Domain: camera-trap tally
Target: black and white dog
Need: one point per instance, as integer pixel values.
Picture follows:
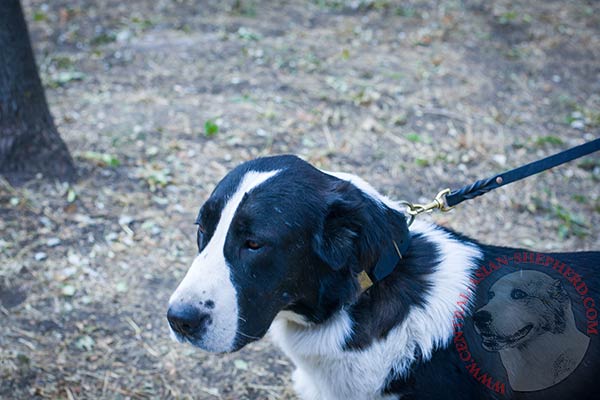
(366, 307)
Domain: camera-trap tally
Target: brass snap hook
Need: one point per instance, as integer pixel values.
(439, 202)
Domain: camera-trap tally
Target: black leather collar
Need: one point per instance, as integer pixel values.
(388, 261)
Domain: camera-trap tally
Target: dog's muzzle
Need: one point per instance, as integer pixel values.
(188, 321)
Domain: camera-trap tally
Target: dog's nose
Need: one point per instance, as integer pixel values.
(188, 320)
(482, 318)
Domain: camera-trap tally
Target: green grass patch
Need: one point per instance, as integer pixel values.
(103, 38)
(508, 17)
(422, 162)
(210, 128)
(571, 223)
(101, 159)
(414, 137)
(589, 164)
(548, 140)
(39, 16)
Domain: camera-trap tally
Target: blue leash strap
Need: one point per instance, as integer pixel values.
(485, 185)
(446, 199)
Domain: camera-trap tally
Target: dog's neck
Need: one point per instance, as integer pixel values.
(425, 290)
(389, 259)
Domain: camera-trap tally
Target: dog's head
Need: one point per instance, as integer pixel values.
(521, 306)
(277, 234)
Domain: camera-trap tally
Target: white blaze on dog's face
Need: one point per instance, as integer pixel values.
(204, 307)
(267, 227)
(276, 235)
(521, 305)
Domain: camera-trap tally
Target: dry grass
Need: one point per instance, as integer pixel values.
(413, 96)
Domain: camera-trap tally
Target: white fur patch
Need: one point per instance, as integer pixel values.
(209, 276)
(312, 339)
(327, 371)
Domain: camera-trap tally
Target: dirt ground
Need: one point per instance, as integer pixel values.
(157, 100)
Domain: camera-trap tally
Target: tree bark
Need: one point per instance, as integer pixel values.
(29, 141)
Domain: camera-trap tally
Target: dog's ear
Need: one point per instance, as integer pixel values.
(335, 240)
(558, 292)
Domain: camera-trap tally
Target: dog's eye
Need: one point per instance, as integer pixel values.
(253, 245)
(518, 294)
(491, 294)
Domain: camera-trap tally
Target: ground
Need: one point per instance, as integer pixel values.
(157, 100)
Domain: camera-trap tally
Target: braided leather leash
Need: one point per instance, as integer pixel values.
(447, 199)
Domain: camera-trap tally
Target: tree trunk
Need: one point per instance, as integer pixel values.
(29, 140)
